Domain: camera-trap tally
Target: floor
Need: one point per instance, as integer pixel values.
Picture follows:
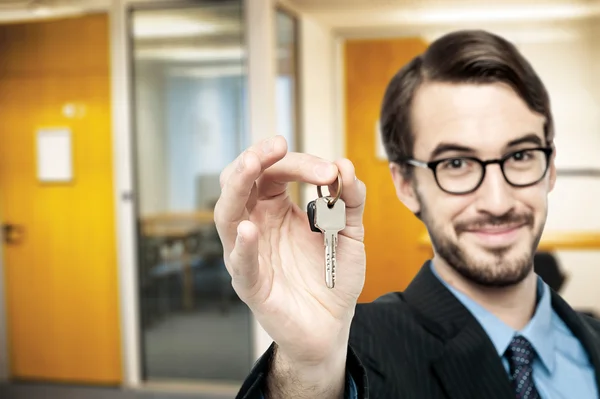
(206, 344)
(209, 343)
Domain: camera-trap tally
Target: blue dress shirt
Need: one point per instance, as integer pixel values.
(562, 369)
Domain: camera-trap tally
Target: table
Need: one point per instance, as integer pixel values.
(174, 228)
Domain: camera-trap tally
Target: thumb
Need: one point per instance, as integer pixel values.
(354, 194)
(248, 280)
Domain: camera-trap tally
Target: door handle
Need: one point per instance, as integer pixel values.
(12, 233)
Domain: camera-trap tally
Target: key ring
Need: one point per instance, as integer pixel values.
(332, 201)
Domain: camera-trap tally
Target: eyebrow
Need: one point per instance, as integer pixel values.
(530, 138)
(442, 148)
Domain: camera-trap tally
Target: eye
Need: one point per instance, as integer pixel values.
(455, 163)
(524, 155)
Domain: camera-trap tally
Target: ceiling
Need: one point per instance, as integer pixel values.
(31, 10)
(339, 5)
(219, 25)
(366, 17)
(206, 34)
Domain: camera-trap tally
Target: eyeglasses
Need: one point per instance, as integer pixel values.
(464, 175)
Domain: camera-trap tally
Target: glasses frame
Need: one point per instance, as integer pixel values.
(500, 161)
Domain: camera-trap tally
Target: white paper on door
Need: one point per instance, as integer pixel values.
(54, 155)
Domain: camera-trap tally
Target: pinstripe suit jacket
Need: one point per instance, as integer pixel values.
(424, 344)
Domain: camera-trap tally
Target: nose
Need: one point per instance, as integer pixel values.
(495, 194)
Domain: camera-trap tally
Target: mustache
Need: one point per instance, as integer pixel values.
(510, 218)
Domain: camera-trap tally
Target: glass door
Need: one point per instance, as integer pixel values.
(287, 84)
(190, 121)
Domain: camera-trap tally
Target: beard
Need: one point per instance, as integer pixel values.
(497, 270)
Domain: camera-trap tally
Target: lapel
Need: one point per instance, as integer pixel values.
(589, 338)
(468, 367)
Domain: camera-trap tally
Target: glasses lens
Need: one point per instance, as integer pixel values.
(458, 175)
(525, 167)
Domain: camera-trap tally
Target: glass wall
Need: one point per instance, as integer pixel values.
(190, 122)
(286, 96)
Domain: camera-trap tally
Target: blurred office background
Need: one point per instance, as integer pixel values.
(117, 118)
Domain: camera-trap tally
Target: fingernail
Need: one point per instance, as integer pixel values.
(240, 164)
(267, 146)
(324, 170)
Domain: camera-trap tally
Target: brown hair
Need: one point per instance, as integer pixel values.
(466, 56)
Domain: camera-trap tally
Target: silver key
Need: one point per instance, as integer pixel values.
(330, 220)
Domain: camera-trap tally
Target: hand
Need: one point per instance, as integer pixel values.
(277, 263)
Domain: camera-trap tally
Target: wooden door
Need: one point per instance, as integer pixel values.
(60, 261)
(392, 233)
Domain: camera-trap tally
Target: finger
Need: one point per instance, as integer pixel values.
(238, 179)
(248, 280)
(268, 152)
(354, 194)
(295, 167)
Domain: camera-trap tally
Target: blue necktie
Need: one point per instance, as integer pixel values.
(520, 355)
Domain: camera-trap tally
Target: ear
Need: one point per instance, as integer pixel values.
(552, 170)
(405, 189)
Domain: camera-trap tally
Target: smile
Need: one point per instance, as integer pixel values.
(497, 236)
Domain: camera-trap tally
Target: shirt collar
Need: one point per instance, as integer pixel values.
(538, 331)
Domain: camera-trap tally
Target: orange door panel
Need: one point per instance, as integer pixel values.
(60, 261)
(392, 233)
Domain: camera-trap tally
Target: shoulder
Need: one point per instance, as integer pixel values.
(386, 315)
(388, 335)
(379, 311)
(591, 322)
(567, 316)
(375, 325)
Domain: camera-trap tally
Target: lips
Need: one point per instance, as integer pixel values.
(497, 236)
(502, 229)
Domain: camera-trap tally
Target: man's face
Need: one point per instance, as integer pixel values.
(489, 236)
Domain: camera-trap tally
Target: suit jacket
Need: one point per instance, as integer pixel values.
(424, 344)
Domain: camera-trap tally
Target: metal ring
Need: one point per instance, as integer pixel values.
(332, 201)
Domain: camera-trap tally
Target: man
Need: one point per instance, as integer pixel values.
(468, 130)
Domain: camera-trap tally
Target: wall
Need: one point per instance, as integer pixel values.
(4, 345)
(595, 32)
(319, 129)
